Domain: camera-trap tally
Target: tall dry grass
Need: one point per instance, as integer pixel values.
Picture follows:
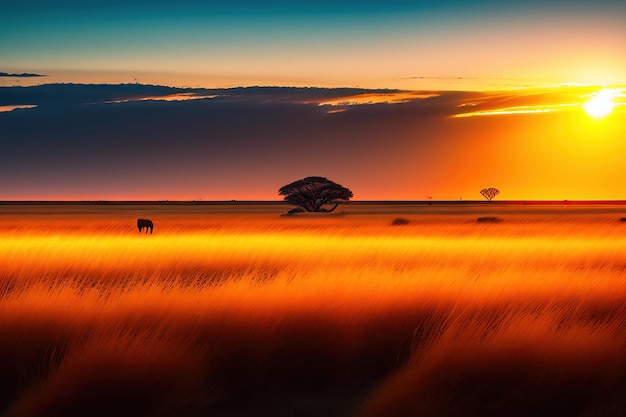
(256, 314)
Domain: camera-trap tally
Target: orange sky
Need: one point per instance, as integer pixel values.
(245, 144)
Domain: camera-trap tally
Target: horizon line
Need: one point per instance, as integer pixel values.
(319, 87)
(234, 201)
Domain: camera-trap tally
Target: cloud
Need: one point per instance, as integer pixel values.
(57, 95)
(378, 98)
(22, 75)
(78, 144)
(168, 97)
(16, 107)
(522, 101)
(157, 143)
(565, 98)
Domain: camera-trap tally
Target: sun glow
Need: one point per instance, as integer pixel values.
(601, 103)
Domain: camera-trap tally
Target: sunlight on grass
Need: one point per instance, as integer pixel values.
(234, 312)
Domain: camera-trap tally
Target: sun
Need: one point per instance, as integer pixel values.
(601, 103)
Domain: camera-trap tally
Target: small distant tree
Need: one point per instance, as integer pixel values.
(490, 193)
(313, 193)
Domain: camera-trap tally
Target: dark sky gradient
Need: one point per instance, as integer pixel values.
(246, 143)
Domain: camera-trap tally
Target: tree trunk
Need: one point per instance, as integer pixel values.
(330, 210)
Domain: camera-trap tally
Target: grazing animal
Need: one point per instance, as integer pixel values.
(145, 223)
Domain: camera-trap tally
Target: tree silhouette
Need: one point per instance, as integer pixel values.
(490, 193)
(311, 193)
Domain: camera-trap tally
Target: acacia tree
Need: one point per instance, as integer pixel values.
(489, 193)
(312, 193)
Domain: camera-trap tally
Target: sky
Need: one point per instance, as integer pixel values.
(144, 100)
(370, 44)
(137, 142)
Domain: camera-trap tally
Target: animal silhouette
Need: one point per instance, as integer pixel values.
(145, 223)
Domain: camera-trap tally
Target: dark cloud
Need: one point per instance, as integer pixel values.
(22, 75)
(106, 142)
(76, 142)
(78, 94)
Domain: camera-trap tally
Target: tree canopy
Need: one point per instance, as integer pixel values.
(313, 193)
(489, 193)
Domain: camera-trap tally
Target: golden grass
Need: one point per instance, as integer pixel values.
(223, 312)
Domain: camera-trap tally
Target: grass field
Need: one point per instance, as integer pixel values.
(234, 310)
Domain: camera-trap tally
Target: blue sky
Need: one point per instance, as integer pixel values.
(327, 43)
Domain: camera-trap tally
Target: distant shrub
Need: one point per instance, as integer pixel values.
(400, 221)
(488, 220)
